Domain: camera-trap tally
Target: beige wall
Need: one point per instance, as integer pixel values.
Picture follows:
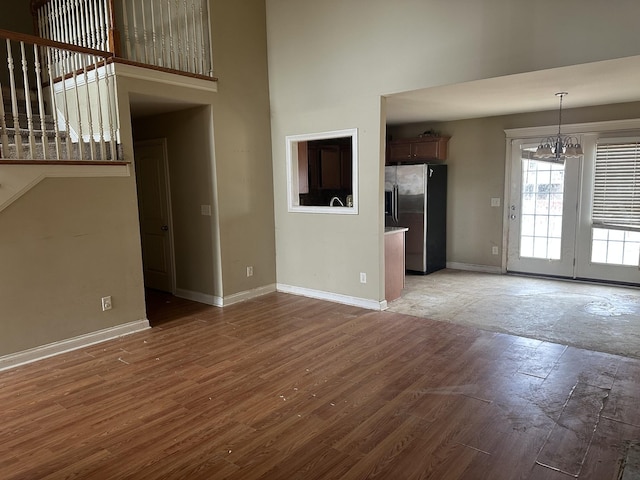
(241, 118)
(476, 170)
(331, 61)
(63, 245)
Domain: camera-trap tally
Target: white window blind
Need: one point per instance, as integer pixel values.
(616, 192)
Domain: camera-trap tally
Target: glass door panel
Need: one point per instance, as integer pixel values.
(542, 215)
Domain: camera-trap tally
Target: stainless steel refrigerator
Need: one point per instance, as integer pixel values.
(416, 198)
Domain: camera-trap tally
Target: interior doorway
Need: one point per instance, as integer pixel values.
(154, 207)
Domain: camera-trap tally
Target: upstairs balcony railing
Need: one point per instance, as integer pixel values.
(57, 101)
(171, 34)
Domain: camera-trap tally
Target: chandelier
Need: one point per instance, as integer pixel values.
(556, 149)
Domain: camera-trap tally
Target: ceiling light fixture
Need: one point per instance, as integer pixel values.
(556, 149)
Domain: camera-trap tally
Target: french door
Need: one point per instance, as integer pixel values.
(551, 228)
(543, 212)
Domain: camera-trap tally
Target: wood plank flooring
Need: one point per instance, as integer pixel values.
(286, 387)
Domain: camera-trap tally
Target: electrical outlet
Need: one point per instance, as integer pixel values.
(249, 271)
(494, 250)
(363, 277)
(106, 303)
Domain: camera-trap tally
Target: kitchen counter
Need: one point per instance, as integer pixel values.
(393, 262)
(388, 230)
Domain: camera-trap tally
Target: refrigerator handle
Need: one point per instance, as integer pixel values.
(395, 203)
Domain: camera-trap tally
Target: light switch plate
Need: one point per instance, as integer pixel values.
(205, 210)
(495, 201)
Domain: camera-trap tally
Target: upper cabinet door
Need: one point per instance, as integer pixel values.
(417, 150)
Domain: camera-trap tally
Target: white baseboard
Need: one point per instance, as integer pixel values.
(333, 297)
(249, 294)
(474, 268)
(45, 351)
(225, 301)
(200, 297)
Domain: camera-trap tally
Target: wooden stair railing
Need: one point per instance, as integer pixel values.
(172, 34)
(56, 101)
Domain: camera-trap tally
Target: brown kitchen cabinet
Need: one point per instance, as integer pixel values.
(417, 150)
(329, 167)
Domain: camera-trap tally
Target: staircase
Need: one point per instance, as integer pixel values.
(38, 143)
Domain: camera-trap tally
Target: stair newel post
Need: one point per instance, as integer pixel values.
(54, 105)
(96, 69)
(115, 45)
(14, 101)
(41, 110)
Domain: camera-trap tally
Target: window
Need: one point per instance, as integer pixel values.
(616, 203)
(322, 172)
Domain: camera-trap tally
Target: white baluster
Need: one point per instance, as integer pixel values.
(136, 38)
(103, 151)
(172, 60)
(14, 101)
(79, 115)
(154, 39)
(92, 142)
(205, 55)
(4, 138)
(54, 105)
(179, 31)
(164, 44)
(91, 24)
(103, 24)
(27, 102)
(125, 22)
(187, 43)
(82, 23)
(110, 101)
(145, 40)
(67, 125)
(41, 111)
(77, 30)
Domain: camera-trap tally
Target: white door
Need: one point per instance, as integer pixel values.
(552, 229)
(152, 180)
(542, 214)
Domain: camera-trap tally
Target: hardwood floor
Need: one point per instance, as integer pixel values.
(286, 387)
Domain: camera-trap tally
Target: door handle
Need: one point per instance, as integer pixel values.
(164, 228)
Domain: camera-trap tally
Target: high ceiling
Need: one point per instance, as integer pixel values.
(599, 83)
